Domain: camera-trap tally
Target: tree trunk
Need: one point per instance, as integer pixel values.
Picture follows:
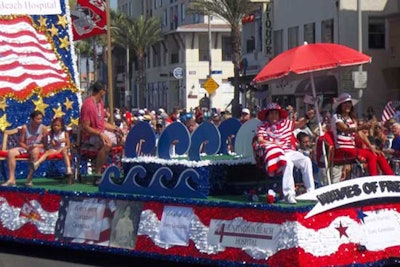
(141, 80)
(87, 73)
(94, 59)
(236, 57)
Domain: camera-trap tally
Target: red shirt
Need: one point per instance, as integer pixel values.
(94, 113)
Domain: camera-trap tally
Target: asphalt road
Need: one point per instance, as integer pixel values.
(14, 254)
(25, 255)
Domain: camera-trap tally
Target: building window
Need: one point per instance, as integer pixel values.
(278, 42)
(173, 13)
(309, 33)
(327, 31)
(376, 33)
(130, 9)
(174, 58)
(250, 45)
(196, 18)
(293, 37)
(165, 57)
(203, 47)
(156, 55)
(165, 18)
(183, 12)
(227, 49)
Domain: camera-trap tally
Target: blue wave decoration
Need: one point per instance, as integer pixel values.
(205, 139)
(173, 180)
(141, 140)
(175, 134)
(157, 181)
(228, 130)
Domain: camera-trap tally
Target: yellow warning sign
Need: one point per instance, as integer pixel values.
(210, 85)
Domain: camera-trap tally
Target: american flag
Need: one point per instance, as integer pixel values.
(28, 60)
(14, 216)
(388, 111)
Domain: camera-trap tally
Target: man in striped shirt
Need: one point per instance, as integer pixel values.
(276, 145)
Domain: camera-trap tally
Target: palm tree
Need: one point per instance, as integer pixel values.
(232, 11)
(137, 35)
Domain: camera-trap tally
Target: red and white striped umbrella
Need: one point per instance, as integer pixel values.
(309, 58)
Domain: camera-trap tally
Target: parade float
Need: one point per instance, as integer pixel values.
(184, 210)
(186, 199)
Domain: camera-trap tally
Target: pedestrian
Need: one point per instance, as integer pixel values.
(245, 116)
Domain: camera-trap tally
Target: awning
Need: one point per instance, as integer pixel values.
(326, 85)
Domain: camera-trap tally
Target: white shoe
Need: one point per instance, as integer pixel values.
(290, 199)
(34, 165)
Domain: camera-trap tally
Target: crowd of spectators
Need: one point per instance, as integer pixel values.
(376, 144)
(125, 119)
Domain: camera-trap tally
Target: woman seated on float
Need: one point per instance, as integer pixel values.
(31, 143)
(345, 129)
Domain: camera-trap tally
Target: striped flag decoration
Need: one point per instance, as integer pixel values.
(28, 60)
(388, 111)
(89, 18)
(99, 234)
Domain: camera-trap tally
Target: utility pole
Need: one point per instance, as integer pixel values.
(127, 77)
(209, 56)
(360, 48)
(109, 64)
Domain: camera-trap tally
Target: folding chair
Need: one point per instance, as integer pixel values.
(357, 165)
(85, 159)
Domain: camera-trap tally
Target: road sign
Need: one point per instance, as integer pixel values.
(178, 73)
(210, 85)
(360, 79)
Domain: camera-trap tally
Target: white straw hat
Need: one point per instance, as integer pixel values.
(343, 97)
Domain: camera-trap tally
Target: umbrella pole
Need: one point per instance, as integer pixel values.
(321, 132)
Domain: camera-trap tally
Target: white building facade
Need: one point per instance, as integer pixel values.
(284, 24)
(276, 26)
(178, 66)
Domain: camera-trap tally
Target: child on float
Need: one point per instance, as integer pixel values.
(57, 142)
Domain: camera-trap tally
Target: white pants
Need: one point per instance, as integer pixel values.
(303, 163)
